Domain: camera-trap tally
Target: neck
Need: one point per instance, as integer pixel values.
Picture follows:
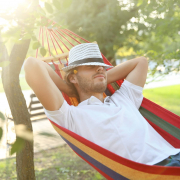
(84, 96)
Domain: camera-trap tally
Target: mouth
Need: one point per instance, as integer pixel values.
(99, 76)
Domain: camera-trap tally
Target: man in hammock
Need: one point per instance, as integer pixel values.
(114, 122)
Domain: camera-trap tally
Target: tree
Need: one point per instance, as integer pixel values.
(115, 25)
(99, 21)
(22, 32)
(159, 41)
(148, 28)
(28, 17)
(10, 79)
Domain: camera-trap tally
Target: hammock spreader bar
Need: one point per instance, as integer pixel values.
(110, 165)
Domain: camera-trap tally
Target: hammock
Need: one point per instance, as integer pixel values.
(59, 41)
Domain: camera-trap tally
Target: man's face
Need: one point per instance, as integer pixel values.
(92, 78)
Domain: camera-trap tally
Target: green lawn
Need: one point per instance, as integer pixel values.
(60, 163)
(167, 97)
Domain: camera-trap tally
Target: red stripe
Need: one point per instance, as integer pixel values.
(42, 38)
(48, 42)
(119, 82)
(161, 112)
(59, 40)
(69, 35)
(65, 38)
(39, 40)
(50, 34)
(134, 165)
(76, 35)
(110, 88)
(168, 137)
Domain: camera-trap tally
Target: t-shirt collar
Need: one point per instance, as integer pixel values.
(93, 101)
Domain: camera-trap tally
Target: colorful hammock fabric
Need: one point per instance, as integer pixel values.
(111, 166)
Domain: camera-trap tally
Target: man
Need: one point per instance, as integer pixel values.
(113, 123)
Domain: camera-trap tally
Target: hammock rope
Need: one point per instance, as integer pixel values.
(110, 165)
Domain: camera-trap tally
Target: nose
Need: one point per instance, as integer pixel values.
(100, 68)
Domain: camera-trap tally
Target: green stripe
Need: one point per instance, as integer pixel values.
(115, 86)
(173, 130)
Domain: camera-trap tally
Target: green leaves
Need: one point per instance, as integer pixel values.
(22, 135)
(48, 8)
(36, 45)
(43, 51)
(2, 116)
(67, 3)
(1, 132)
(17, 146)
(57, 4)
(140, 2)
(4, 63)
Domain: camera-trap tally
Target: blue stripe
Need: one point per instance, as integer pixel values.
(100, 166)
(107, 92)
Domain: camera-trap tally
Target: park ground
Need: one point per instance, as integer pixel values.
(62, 163)
(59, 163)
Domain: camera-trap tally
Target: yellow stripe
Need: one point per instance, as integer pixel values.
(117, 167)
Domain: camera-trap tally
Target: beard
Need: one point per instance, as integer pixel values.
(87, 85)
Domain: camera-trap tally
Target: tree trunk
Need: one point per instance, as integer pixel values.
(17, 103)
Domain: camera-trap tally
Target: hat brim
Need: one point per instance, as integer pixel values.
(67, 68)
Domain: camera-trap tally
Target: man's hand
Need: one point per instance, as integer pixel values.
(134, 70)
(70, 90)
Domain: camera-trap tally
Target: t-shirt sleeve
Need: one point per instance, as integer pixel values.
(132, 92)
(61, 116)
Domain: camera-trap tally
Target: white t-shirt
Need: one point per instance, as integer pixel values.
(116, 125)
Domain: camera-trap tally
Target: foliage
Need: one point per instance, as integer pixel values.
(22, 134)
(2, 117)
(17, 146)
(26, 19)
(143, 28)
(99, 21)
(159, 41)
(150, 27)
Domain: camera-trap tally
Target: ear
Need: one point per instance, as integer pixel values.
(72, 78)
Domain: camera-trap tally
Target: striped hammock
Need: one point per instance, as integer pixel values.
(59, 41)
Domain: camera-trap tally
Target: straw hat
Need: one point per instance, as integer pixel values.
(85, 54)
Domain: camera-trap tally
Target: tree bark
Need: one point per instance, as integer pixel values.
(17, 103)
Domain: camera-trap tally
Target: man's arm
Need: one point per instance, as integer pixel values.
(45, 83)
(134, 71)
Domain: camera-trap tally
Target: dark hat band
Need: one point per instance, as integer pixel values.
(87, 60)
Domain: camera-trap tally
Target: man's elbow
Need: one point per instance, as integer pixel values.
(143, 60)
(29, 63)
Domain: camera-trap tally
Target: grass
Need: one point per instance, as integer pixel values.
(167, 97)
(55, 164)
